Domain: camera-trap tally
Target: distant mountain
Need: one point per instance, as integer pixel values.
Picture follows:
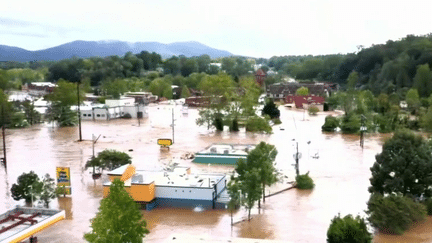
(85, 49)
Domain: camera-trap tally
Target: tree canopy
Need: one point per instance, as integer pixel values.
(119, 218)
(404, 166)
(109, 159)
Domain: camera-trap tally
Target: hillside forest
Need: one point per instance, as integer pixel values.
(387, 72)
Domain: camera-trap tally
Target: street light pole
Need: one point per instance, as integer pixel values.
(79, 112)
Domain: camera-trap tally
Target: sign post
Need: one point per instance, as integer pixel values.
(63, 179)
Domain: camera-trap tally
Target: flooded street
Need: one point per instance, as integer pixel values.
(341, 174)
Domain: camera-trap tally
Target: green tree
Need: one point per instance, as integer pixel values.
(423, 80)
(63, 97)
(352, 81)
(66, 94)
(48, 190)
(109, 159)
(304, 182)
(404, 166)
(119, 218)
(251, 189)
(262, 159)
(413, 100)
(28, 187)
(330, 124)
(350, 124)
(115, 88)
(185, 92)
(234, 194)
(271, 110)
(348, 229)
(206, 118)
(32, 116)
(394, 214)
(258, 124)
(302, 91)
(426, 120)
(313, 110)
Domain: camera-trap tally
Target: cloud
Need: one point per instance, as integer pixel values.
(22, 24)
(24, 34)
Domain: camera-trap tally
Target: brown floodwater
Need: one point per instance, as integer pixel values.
(341, 174)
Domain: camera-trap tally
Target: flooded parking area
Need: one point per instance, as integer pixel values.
(338, 165)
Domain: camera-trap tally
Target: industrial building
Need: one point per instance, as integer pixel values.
(173, 188)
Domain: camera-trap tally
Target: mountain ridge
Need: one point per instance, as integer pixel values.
(86, 49)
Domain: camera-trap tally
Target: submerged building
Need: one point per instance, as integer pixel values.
(223, 154)
(174, 188)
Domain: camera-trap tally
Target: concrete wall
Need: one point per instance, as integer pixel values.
(220, 186)
(184, 193)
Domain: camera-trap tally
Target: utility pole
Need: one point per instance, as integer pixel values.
(362, 129)
(297, 160)
(4, 138)
(4, 148)
(93, 144)
(172, 124)
(79, 111)
(138, 115)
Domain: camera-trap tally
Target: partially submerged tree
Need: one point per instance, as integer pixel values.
(271, 110)
(394, 214)
(262, 159)
(48, 190)
(119, 218)
(63, 97)
(109, 159)
(404, 166)
(251, 189)
(348, 229)
(234, 192)
(28, 187)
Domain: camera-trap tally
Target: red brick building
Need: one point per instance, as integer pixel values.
(260, 76)
(305, 101)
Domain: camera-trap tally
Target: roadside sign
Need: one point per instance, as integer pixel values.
(63, 176)
(164, 142)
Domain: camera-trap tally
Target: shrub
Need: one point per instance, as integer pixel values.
(234, 127)
(428, 203)
(313, 110)
(348, 229)
(304, 182)
(277, 121)
(127, 116)
(271, 109)
(258, 124)
(350, 124)
(218, 123)
(330, 124)
(394, 213)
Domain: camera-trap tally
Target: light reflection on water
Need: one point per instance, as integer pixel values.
(341, 174)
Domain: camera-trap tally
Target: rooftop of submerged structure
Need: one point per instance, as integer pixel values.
(177, 177)
(21, 222)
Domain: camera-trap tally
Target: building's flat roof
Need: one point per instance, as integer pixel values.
(188, 180)
(176, 178)
(228, 149)
(43, 217)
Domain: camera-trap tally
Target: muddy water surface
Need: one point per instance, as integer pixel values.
(340, 169)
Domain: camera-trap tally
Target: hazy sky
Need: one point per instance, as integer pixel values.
(251, 28)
